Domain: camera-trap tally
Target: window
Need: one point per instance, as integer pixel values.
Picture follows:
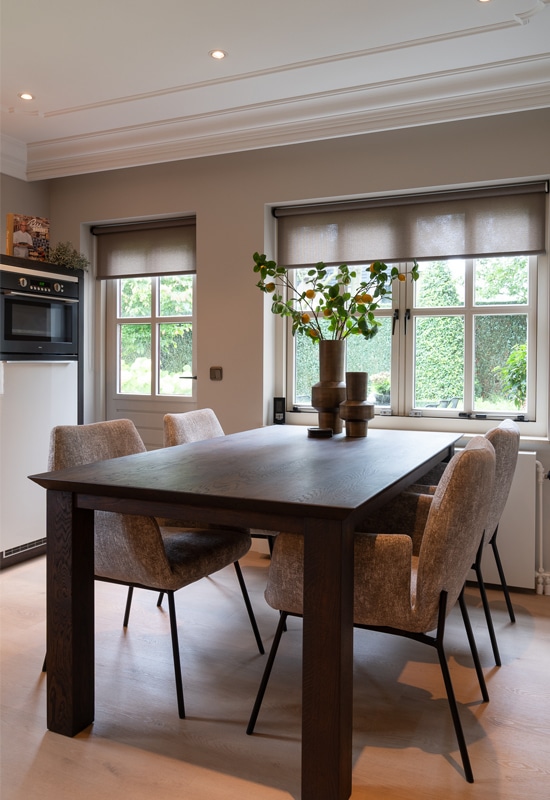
(155, 335)
(150, 267)
(474, 337)
(462, 340)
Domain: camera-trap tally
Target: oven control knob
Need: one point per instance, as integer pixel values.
(57, 287)
(23, 282)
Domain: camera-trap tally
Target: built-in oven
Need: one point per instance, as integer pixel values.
(38, 314)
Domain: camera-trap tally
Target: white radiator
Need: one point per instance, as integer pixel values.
(516, 537)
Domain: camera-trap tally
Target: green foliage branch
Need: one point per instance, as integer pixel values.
(329, 309)
(65, 255)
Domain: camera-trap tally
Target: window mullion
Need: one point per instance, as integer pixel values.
(402, 348)
(469, 337)
(532, 324)
(155, 337)
(469, 350)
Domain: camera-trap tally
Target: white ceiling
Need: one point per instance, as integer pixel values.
(119, 83)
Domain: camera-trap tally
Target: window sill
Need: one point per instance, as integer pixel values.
(530, 431)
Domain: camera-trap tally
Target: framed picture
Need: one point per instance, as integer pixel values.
(28, 237)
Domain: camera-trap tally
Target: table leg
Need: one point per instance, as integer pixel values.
(70, 615)
(327, 661)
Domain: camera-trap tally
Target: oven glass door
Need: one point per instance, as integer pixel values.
(39, 325)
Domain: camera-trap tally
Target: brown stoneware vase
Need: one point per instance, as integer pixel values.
(330, 391)
(355, 410)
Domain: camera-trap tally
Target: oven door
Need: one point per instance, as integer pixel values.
(37, 327)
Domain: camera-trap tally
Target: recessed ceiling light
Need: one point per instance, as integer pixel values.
(484, 1)
(219, 54)
(26, 96)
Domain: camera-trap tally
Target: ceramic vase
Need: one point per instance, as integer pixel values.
(330, 391)
(355, 410)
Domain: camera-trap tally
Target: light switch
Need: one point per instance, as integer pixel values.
(216, 373)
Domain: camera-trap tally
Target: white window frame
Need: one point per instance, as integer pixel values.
(402, 415)
(469, 312)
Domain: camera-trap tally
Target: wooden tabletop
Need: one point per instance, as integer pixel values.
(277, 469)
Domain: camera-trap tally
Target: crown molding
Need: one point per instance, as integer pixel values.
(138, 129)
(505, 87)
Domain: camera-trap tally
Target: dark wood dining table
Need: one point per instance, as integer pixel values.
(275, 478)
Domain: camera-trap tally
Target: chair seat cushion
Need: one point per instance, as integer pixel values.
(195, 553)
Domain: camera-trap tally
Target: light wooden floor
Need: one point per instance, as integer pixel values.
(404, 746)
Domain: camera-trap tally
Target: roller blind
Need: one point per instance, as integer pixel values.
(505, 220)
(163, 247)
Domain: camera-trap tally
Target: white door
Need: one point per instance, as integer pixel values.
(150, 358)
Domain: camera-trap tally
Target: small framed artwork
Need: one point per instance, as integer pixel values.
(28, 237)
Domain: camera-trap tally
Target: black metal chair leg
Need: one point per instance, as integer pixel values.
(450, 693)
(473, 647)
(44, 663)
(267, 672)
(159, 601)
(502, 577)
(128, 606)
(487, 610)
(248, 605)
(176, 654)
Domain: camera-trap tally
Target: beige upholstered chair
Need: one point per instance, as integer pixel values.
(505, 439)
(399, 592)
(192, 426)
(135, 550)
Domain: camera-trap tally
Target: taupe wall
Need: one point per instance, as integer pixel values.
(229, 194)
(19, 197)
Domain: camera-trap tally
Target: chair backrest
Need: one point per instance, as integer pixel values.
(505, 439)
(191, 426)
(454, 528)
(127, 548)
(74, 445)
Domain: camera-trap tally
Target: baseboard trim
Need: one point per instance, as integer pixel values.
(15, 555)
